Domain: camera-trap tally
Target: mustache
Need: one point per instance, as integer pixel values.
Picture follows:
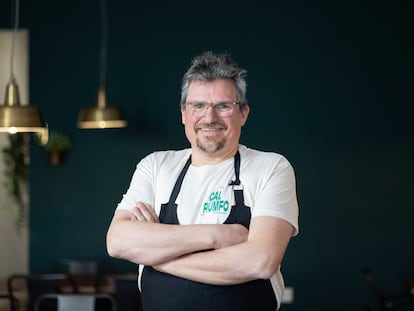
(210, 126)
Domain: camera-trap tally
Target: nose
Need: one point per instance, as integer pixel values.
(210, 113)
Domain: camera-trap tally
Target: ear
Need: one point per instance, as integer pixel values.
(244, 114)
(183, 115)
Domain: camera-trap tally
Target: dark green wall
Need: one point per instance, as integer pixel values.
(330, 87)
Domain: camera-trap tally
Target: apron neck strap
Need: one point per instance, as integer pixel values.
(236, 170)
(179, 181)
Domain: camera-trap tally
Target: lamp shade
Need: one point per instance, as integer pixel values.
(101, 116)
(15, 117)
(21, 118)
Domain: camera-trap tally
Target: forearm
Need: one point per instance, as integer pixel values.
(257, 258)
(225, 266)
(152, 243)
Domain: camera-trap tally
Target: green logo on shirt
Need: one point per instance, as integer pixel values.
(215, 204)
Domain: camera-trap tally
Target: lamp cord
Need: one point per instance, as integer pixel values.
(104, 40)
(13, 43)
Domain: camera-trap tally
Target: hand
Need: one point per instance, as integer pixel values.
(145, 212)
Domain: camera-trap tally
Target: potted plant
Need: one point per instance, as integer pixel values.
(16, 161)
(57, 146)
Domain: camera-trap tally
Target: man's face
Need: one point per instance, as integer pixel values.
(213, 134)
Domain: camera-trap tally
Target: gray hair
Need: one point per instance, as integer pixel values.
(211, 67)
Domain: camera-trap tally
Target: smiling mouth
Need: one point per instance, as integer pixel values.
(213, 127)
(210, 129)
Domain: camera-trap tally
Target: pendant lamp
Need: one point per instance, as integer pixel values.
(15, 117)
(101, 116)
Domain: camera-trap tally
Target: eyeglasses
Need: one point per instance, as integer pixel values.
(199, 109)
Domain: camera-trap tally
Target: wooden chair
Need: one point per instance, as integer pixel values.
(13, 302)
(37, 285)
(386, 301)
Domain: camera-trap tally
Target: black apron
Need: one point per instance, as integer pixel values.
(165, 292)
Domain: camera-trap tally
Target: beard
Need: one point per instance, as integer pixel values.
(210, 144)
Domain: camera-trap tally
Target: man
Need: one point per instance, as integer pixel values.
(209, 225)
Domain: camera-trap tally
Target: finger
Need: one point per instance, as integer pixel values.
(153, 213)
(145, 212)
(149, 213)
(136, 211)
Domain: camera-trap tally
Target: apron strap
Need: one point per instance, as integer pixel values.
(177, 186)
(236, 170)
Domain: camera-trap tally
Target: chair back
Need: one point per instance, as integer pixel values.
(86, 273)
(77, 266)
(72, 302)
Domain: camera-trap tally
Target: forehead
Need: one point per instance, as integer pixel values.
(212, 90)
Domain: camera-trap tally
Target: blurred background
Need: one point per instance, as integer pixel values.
(330, 86)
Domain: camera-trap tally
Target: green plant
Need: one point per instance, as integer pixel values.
(58, 142)
(16, 160)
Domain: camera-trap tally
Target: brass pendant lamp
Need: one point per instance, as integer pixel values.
(14, 117)
(101, 116)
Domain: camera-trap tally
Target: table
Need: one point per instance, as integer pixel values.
(87, 284)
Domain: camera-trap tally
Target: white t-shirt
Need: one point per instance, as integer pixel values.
(268, 181)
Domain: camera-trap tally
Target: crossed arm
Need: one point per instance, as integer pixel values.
(213, 254)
